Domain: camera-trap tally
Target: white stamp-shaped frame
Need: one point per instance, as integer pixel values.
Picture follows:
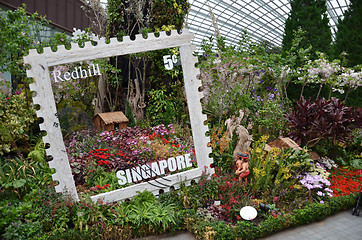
(43, 96)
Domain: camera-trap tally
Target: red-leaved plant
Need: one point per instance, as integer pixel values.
(321, 119)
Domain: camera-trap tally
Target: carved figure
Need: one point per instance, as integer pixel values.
(244, 138)
(242, 166)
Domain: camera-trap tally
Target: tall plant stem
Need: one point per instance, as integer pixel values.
(330, 93)
(319, 91)
(348, 91)
(302, 91)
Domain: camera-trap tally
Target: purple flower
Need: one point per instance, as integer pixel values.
(268, 88)
(322, 201)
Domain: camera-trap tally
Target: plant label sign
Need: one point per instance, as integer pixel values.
(44, 69)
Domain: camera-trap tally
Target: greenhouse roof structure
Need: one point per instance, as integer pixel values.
(262, 19)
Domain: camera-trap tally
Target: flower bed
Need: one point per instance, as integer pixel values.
(97, 157)
(345, 181)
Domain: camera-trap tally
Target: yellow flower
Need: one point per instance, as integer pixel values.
(297, 186)
(297, 164)
(264, 138)
(288, 176)
(258, 150)
(275, 151)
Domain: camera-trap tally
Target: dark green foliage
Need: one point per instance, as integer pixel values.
(16, 118)
(311, 16)
(17, 35)
(142, 17)
(22, 230)
(224, 231)
(151, 15)
(146, 215)
(349, 35)
(163, 108)
(311, 213)
(343, 154)
(247, 228)
(169, 12)
(129, 115)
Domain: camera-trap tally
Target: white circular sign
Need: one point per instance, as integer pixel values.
(248, 213)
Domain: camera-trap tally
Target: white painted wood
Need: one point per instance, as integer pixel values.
(44, 97)
(193, 95)
(114, 48)
(128, 192)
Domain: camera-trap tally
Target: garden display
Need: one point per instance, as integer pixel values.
(199, 152)
(142, 169)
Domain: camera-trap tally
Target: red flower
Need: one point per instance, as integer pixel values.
(344, 182)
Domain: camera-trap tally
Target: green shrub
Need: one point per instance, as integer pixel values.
(16, 117)
(147, 216)
(21, 175)
(247, 230)
(224, 231)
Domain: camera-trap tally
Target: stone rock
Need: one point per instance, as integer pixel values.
(314, 156)
(284, 142)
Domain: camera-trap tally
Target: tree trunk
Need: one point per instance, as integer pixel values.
(101, 94)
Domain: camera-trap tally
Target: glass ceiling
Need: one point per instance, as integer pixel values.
(262, 19)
